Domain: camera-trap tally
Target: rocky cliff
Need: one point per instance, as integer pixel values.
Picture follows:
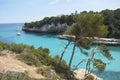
(48, 28)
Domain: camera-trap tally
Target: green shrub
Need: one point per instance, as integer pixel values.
(14, 76)
(17, 48)
(45, 50)
(4, 45)
(1, 76)
(90, 77)
(44, 70)
(29, 59)
(49, 73)
(36, 57)
(1, 48)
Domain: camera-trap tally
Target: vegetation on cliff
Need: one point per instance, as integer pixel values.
(48, 20)
(112, 20)
(36, 57)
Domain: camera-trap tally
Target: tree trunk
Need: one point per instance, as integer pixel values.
(64, 51)
(70, 62)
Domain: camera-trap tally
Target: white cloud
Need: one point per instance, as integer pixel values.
(57, 1)
(54, 2)
(68, 0)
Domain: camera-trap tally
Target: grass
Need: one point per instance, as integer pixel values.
(14, 76)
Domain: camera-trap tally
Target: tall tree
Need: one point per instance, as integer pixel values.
(112, 19)
(95, 62)
(86, 27)
(64, 51)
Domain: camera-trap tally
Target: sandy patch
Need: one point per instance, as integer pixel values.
(8, 62)
(79, 74)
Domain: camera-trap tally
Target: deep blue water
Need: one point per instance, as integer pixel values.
(56, 46)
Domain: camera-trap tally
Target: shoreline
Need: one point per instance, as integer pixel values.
(79, 74)
(106, 41)
(43, 32)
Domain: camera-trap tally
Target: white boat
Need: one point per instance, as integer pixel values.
(18, 32)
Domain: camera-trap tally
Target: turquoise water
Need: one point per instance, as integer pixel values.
(8, 34)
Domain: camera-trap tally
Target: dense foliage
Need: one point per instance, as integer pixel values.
(37, 57)
(48, 20)
(84, 29)
(112, 20)
(14, 76)
(86, 26)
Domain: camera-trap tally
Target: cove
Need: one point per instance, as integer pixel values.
(56, 46)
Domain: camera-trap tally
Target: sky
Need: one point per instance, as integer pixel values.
(18, 11)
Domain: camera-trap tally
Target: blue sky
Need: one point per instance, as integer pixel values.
(15, 11)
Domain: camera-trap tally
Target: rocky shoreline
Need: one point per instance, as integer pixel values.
(106, 41)
(48, 28)
(79, 74)
(60, 29)
(40, 31)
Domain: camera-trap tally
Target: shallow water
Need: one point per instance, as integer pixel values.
(8, 34)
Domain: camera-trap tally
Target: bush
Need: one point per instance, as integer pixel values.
(48, 72)
(1, 76)
(90, 77)
(36, 57)
(4, 46)
(44, 70)
(1, 48)
(29, 58)
(18, 48)
(45, 50)
(14, 76)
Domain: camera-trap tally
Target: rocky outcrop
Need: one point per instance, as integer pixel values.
(79, 74)
(48, 28)
(106, 41)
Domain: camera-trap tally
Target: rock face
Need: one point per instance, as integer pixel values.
(79, 74)
(48, 28)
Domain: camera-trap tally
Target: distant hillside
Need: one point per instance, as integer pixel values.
(112, 19)
(59, 24)
(53, 24)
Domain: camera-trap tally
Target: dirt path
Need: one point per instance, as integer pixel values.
(8, 62)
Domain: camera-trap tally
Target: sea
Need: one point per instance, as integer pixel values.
(8, 34)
